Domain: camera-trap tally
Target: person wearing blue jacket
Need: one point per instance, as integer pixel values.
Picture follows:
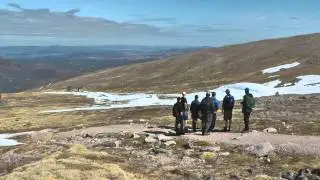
(216, 103)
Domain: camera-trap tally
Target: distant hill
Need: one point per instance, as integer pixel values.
(26, 67)
(210, 68)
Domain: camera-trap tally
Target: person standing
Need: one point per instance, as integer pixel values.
(248, 104)
(177, 113)
(184, 103)
(194, 108)
(216, 104)
(206, 107)
(227, 105)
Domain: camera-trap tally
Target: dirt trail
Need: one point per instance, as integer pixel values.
(306, 145)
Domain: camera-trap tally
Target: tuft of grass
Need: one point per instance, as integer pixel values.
(75, 165)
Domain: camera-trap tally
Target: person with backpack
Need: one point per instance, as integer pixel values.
(194, 108)
(177, 113)
(227, 108)
(206, 108)
(248, 104)
(216, 104)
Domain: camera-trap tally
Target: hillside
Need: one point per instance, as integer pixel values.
(210, 68)
(27, 67)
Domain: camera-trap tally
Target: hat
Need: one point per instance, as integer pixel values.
(227, 91)
(184, 93)
(213, 93)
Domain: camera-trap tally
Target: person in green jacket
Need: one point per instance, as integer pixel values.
(247, 107)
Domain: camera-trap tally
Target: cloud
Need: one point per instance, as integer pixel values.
(162, 19)
(29, 23)
(208, 29)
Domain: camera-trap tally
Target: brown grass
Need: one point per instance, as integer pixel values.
(210, 68)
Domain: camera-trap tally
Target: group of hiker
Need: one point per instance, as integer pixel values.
(207, 109)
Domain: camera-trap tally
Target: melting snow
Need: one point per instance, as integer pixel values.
(306, 85)
(278, 68)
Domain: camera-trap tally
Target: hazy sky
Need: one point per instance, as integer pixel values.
(153, 22)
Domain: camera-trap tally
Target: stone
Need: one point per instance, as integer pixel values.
(143, 120)
(135, 136)
(260, 150)
(150, 140)
(316, 172)
(164, 138)
(234, 177)
(224, 154)
(210, 148)
(170, 143)
(270, 130)
(263, 177)
(268, 160)
(130, 121)
(254, 131)
(117, 143)
(291, 175)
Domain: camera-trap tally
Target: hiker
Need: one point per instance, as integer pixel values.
(248, 104)
(177, 113)
(194, 108)
(206, 108)
(216, 104)
(184, 103)
(227, 108)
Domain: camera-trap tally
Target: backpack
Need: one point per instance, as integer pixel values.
(216, 104)
(250, 102)
(206, 105)
(175, 109)
(229, 101)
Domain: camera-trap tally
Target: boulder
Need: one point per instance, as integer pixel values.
(260, 150)
(150, 140)
(291, 175)
(135, 136)
(270, 130)
(164, 138)
(170, 143)
(224, 154)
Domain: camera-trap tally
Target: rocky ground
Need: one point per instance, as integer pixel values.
(140, 144)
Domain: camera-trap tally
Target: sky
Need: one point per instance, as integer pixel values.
(154, 22)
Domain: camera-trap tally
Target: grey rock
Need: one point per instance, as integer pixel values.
(260, 150)
(234, 177)
(170, 143)
(316, 172)
(210, 148)
(291, 175)
(270, 130)
(164, 138)
(135, 136)
(150, 140)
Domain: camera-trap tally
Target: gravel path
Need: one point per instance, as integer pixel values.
(307, 145)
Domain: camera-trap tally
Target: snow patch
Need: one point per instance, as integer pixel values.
(306, 85)
(278, 68)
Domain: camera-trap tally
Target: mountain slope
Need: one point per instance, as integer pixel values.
(210, 68)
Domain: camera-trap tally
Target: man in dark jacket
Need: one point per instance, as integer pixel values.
(247, 105)
(194, 108)
(227, 108)
(206, 107)
(177, 113)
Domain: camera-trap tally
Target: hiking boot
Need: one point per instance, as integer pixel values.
(245, 131)
(225, 129)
